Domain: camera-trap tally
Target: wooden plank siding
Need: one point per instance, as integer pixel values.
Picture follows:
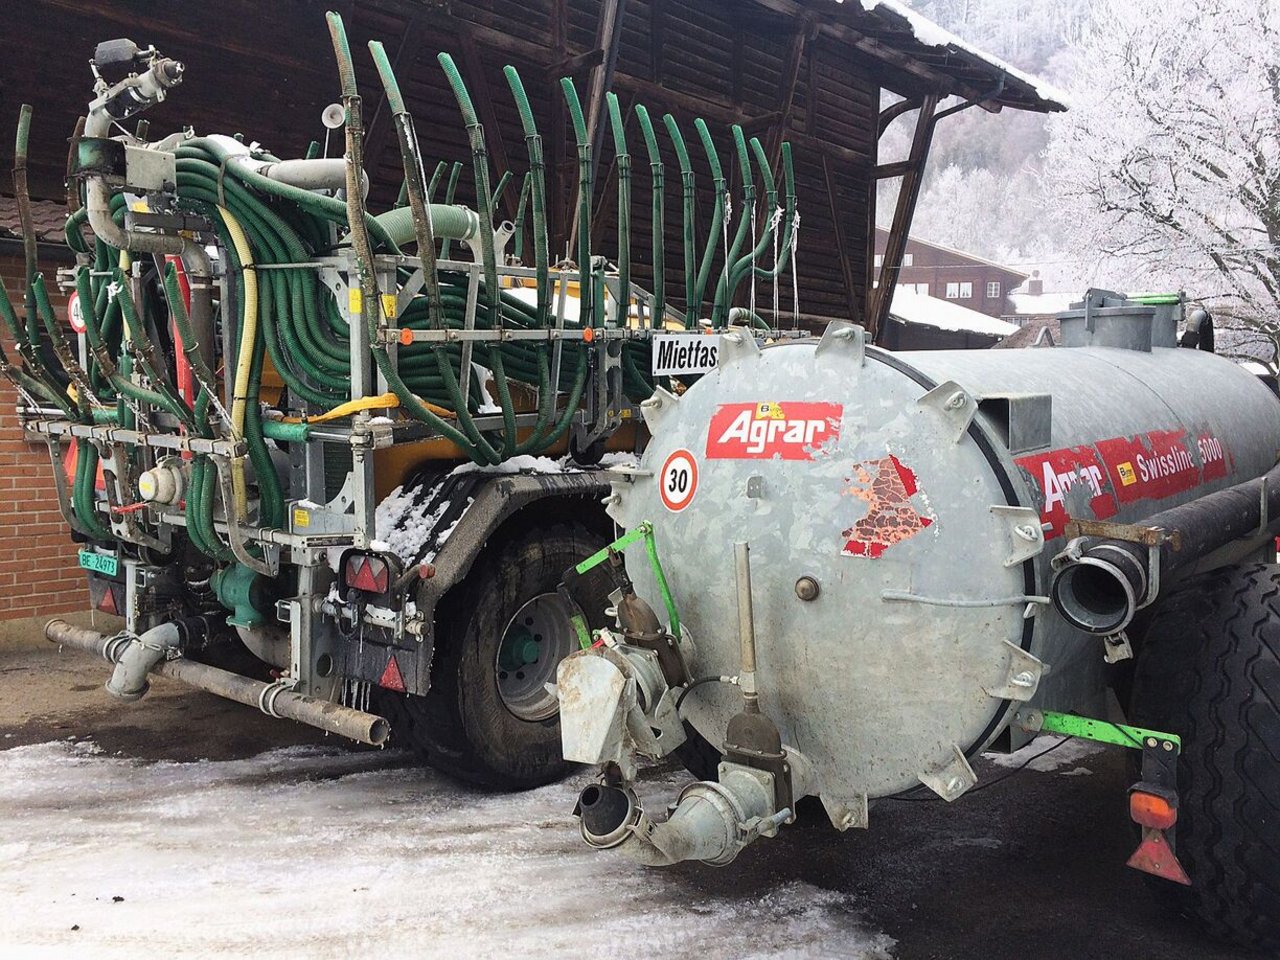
(268, 73)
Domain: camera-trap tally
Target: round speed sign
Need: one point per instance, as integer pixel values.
(679, 480)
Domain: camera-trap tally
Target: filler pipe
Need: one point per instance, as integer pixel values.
(1100, 585)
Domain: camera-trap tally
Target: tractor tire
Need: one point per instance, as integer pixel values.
(1209, 671)
(487, 718)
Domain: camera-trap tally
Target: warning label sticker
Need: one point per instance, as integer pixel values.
(887, 486)
(772, 429)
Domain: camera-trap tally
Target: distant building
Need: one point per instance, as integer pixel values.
(921, 322)
(938, 271)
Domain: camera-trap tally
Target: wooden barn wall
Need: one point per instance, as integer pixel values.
(266, 70)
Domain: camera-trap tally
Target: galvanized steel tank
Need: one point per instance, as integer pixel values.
(924, 494)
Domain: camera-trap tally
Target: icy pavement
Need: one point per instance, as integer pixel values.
(317, 852)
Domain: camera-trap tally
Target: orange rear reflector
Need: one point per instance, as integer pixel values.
(1149, 810)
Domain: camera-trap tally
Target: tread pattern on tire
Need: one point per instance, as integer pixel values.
(1209, 671)
(440, 725)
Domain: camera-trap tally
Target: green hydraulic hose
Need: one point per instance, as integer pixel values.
(497, 191)
(658, 218)
(585, 299)
(421, 215)
(35, 364)
(784, 251)
(24, 210)
(435, 179)
(480, 166)
(199, 528)
(689, 198)
(538, 187)
(739, 268)
(147, 356)
(192, 350)
(424, 232)
(717, 218)
(449, 190)
(363, 248)
(719, 306)
(521, 206)
(61, 348)
(623, 160)
(536, 181)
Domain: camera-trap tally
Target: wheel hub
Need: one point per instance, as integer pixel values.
(534, 642)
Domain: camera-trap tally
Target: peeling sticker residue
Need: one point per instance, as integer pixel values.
(887, 486)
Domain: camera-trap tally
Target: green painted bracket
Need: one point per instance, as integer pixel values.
(1100, 731)
(642, 531)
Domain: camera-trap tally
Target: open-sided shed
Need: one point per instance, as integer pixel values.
(814, 72)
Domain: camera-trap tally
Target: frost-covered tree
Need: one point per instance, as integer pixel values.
(1168, 164)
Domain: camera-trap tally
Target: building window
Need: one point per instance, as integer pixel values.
(993, 289)
(960, 291)
(908, 259)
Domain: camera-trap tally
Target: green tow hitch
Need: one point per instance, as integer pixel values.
(1153, 800)
(643, 531)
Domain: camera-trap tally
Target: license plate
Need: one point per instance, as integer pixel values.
(99, 562)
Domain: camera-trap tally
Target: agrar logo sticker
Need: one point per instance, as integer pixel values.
(772, 429)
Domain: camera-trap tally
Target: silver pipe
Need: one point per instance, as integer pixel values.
(314, 174)
(149, 88)
(746, 628)
(272, 699)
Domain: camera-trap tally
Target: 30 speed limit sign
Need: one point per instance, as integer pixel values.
(678, 480)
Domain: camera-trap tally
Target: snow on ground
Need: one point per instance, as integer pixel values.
(319, 852)
(1049, 756)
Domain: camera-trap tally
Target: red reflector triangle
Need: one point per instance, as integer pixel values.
(364, 580)
(391, 677)
(108, 602)
(1153, 856)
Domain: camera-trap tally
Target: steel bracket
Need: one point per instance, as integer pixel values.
(845, 339)
(1026, 537)
(1022, 678)
(955, 404)
(737, 344)
(953, 778)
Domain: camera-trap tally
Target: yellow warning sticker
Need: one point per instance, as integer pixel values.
(389, 305)
(1127, 475)
(355, 300)
(301, 517)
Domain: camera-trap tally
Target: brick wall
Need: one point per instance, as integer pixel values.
(38, 570)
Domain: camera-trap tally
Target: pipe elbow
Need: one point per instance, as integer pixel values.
(135, 658)
(138, 658)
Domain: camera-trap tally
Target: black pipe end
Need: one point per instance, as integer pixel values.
(604, 809)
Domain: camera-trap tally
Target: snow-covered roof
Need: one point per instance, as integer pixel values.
(1019, 89)
(919, 308)
(1037, 304)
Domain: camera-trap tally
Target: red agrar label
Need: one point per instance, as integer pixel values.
(1123, 470)
(772, 429)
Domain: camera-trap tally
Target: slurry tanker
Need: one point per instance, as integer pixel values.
(374, 473)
